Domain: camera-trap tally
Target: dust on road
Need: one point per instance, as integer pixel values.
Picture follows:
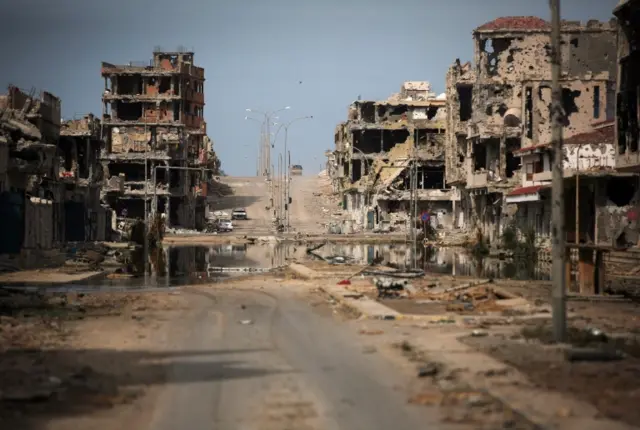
(251, 355)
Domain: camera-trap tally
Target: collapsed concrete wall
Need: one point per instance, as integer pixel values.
(628, 88)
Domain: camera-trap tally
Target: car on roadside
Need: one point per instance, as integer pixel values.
(225, 225)
(239, 213)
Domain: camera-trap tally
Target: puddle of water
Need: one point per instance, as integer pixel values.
(187, 265)
(184, 265)
(451, 261)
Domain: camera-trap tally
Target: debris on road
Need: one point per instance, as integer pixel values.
(246, 322)
(592, 354)
(429, 369)
(479, 333)
(371, 332)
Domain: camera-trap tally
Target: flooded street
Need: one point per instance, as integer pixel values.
(183, 265)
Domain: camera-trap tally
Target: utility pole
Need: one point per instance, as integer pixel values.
(267, 146)
(287, 166)
(558, 298)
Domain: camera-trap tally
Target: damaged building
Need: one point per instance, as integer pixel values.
(80, 171)
(500, 104)
(391, 153)
(598, 198)
(31, 197)
(628, 88)
(50, 179)
(154, 132)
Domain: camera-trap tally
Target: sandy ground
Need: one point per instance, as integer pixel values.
(256, 358)
(118, 360)
(262, 352)
(311, 209)
(48, 276)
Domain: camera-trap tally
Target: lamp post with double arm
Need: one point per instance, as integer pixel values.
(266, 156)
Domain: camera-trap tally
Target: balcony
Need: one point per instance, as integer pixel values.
(477, 179)
(542, 176)
(628, 162)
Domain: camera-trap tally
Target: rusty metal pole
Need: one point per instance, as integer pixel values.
(558, 297)
(578, 195)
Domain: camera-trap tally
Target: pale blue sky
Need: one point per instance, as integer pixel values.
(255, 53)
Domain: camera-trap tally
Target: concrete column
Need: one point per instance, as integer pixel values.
(503, 157)
(88, 159)
(167, 211)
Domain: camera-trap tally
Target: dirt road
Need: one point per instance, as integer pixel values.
(311, 207)
(309, 210)
(253, 194)
(269, 363)
(208, 358)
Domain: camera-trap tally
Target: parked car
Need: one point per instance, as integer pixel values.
(225, 225)
(239, 213)
(296, 170)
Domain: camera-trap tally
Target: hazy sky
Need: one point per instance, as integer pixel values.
(255, 53)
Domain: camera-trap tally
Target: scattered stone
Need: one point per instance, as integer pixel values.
(27, 395)
(478, 400)
(55, 381)
(479, 333)
(371, 332)
(246, 322)
(428, 369)
(496, 372)
(369, 349)
(426, 399)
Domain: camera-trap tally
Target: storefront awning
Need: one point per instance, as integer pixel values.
(525, 194)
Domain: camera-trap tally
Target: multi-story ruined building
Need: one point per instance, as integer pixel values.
(501, 103)
(50, 179)
(80, 170)
(153, 127)
(628, 90)
(31, 197)
(381, 146)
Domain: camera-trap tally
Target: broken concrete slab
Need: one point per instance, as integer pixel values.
(303, 271)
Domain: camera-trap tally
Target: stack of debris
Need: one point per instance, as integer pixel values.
(479, 295)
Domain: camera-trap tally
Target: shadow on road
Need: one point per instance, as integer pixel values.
(41, 385)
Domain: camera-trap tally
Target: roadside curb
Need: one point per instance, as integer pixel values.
(372, 309)
(45, 284)
(512, 388)
(366, 307)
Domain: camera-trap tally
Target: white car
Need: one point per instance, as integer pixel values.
(225, 225)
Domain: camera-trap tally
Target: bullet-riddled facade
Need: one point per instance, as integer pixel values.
(381, 146)
(153, 117)
(628, 90)
(500, 104)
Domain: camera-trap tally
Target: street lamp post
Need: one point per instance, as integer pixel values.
(260, 145)
(287, 193)
(268, 116)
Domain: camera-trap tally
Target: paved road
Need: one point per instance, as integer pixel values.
(288, 367)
